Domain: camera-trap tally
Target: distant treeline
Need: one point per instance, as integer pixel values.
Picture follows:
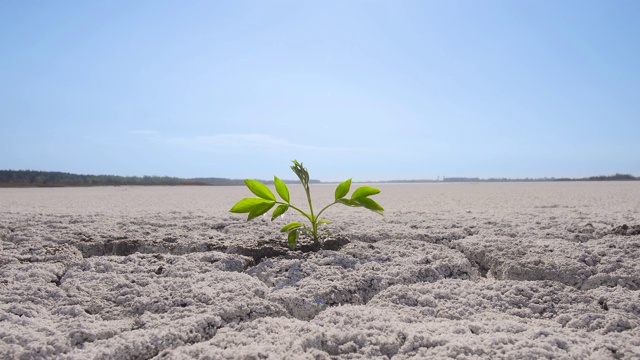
(26, 178)
(616, 177)
(29, 178)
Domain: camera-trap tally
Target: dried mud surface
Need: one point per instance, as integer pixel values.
(500, 270)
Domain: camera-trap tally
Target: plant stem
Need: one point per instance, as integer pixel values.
(325, 208)
(314, 220)
(297, 209)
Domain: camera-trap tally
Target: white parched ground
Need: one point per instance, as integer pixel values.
(466, 271)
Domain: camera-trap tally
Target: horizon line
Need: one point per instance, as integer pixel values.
(621, 176)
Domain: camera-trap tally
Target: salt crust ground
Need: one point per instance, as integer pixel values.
(538, 270)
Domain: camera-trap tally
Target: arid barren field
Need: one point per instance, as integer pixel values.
(490, 270)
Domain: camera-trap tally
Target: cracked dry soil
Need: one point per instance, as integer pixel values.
(498, 270)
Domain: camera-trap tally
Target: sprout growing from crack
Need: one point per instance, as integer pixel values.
(267, 200)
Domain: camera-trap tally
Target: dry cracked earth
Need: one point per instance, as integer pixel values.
(499, 270)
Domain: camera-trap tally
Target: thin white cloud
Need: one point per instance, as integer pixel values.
(241, 143)
(231, 141)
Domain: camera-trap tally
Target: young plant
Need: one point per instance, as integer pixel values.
(266, 200)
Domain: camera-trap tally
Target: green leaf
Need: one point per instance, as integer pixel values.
(260, 189)
(260, 209)
(349, 202)
(281, 188)
(343, 189)
(290, 226)
(279, 211)
(370, 204)
(245, 205)
(364, 191)
(292, 239)
(324, 221)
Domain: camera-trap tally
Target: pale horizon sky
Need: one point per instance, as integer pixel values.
(373, 90)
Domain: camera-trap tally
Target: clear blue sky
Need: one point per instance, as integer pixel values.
(374, 90)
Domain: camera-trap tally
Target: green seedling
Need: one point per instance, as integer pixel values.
(267, 200)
